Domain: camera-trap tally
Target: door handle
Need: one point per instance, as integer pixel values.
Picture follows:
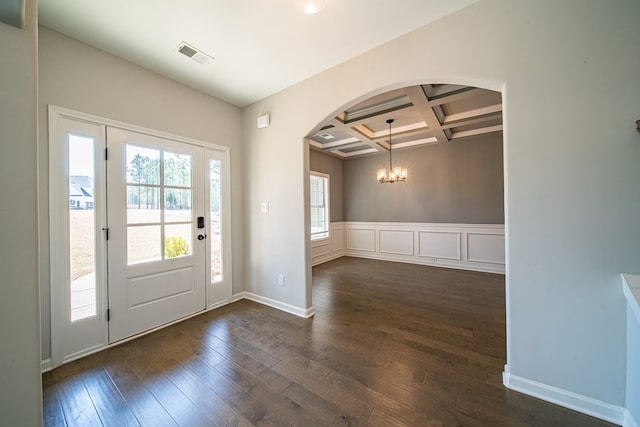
(202, 236)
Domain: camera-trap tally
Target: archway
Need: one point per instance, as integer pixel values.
(451, 137)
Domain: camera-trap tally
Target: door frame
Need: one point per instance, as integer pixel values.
(58, 258)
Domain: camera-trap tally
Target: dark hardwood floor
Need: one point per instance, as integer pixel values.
(390, 345)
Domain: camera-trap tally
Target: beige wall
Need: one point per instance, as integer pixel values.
(569, 76)
(20, 381)
(79, 77)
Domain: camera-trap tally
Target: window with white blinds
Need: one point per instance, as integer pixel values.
(319, 196)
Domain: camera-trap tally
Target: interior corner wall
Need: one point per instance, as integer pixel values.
(21, 384)
(461, 181)
(77, 76)
(332, 166)
(568, 72)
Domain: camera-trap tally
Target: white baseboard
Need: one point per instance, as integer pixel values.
(440, 263)
(288, 308)
(577, 402)
(45, 365)
(630, 420)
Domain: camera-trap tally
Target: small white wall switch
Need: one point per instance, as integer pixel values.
(281, 280)
(264, 207)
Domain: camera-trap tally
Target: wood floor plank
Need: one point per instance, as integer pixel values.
(52, 410)
(142, 402)
(77, 404)
(390, 345)
(111, 407)
(182, 410)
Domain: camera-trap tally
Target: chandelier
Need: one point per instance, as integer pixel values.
(393, 174)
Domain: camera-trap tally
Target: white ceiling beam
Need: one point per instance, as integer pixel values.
(490, 109)
(479, 131)
(399, 130)
(415, 142)
(423, 107)
(340, 142)
(343, 146)
(471, 121)
(338, 125)
(377, 109)
(363, 120)
(456, 96)
(357, 153)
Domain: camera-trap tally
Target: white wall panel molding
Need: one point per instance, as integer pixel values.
(362, 239)
(485, 247)
(396, 242)
(478, 247)
(440, 244)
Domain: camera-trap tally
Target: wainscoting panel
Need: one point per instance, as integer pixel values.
(398, 242)
(478, 247)
(439, 244)
(361, 239)
(488, 248)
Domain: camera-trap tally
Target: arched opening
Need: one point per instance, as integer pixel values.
(451, 210)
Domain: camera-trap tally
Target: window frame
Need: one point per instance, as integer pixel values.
(325, 233)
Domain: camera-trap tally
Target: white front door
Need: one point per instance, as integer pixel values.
(157, 243)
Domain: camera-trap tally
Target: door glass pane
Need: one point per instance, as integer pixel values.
(177, 240)
(177, 205)
(82, 222)
(215, 198)
(143, 204)
(177, 169)
(143, 165)
(143, 244)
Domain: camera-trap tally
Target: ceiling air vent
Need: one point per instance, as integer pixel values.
(195, 54)
(326, 136)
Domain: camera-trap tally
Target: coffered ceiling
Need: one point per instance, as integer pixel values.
(424, 114)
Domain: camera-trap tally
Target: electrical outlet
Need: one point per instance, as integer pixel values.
(281, 280)
(264, 207)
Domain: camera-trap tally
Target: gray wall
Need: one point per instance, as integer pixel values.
(20, 379)
(319, 162)
(458, 182)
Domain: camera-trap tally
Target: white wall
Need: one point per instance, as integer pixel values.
(76, 76)
(20, 380)
(569, 74)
